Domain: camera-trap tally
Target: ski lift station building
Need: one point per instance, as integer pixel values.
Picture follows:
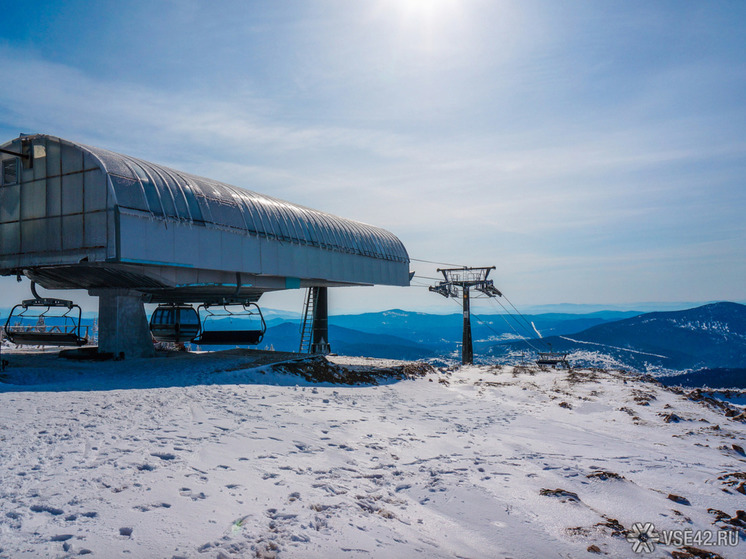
(129, 231)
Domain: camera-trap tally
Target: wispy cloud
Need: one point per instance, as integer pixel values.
(568, 141)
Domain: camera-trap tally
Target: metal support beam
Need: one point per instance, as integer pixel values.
(465, 278)
(467, 349)
(3, 362)
(23, 155)
(320, 338)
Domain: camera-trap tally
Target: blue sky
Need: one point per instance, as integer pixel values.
(595, 152)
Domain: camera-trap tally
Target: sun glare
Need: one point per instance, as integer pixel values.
(425, 10)
(425, 24)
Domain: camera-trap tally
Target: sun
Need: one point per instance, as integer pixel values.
(424, 23)
(427, 13)
(425, 9)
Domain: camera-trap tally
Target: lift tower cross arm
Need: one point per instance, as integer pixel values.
(465, 279)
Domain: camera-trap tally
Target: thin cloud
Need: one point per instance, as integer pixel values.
(581, 139)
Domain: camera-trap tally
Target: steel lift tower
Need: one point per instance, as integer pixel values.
(466, 279)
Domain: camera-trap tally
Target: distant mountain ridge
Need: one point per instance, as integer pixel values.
(707, 337)
(400, 334)
(347, 341)
(701, 342)
(439, 331)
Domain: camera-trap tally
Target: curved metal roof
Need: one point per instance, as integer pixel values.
(174, 195)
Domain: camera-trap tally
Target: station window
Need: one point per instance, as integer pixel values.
(10, 171)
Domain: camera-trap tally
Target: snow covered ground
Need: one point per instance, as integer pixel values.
(209, 456)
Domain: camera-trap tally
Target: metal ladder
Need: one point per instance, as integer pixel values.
(306, 327)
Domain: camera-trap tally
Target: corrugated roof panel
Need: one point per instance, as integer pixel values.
(172, 192)
(169, 193)
(129, 193)
(195, 212)
(112, 162)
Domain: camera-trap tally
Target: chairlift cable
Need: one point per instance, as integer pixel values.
(515, 319)
(479, 319)
(529, 330)
(516, 331)
(523, 323)
(434, 262)
(528, 323)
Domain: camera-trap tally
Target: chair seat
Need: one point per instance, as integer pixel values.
(230, 337)
(46, 338)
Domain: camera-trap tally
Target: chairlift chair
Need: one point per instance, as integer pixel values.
(553, 359)
(174, 323)
(214, 331)
(67, 332)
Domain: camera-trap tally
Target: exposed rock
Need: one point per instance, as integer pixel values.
(616, 527)
(689, 552)
(319, 369)
(679, 499)
(563, 495)
(604, 476)
(719, 515)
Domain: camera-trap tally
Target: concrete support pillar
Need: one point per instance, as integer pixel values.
(122, 325)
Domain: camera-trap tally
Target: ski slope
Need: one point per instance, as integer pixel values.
(211, 456)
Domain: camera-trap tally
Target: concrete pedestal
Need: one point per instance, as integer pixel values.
(122, 325)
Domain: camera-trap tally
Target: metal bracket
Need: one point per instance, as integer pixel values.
(40, 302)
(22, 155)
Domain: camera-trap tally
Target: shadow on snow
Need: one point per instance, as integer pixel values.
(45, 371)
